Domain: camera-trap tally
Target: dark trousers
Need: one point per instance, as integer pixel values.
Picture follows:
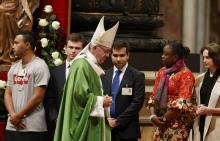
(25, 136)
(51, 126)
(115, 138)
(118, 139)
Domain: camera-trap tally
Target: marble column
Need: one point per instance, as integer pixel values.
(195, 24)
(203, 20)
(189, 24)
(203, 14)
(196, 29)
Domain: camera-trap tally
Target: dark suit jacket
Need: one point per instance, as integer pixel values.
(127, 107)
(54, 92)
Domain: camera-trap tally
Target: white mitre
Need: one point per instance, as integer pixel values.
(102, 37)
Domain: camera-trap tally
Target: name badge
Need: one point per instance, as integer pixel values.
(126, 91)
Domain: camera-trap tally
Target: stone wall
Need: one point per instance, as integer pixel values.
(215, 21)
(172, 16)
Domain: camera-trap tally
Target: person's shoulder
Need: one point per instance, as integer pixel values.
(80, 60)
(15, 65)
(186, 72)
(134, 70)
(39, 60)
(160, 72)
(80, 64)
(57, 69)
(199, 79)
(200, 76)
(40, 63)
(109, 70)
(162, 69)
(63, 65)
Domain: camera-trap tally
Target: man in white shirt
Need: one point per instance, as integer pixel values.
(26, 86)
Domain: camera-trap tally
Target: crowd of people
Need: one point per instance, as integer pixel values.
(79, 101)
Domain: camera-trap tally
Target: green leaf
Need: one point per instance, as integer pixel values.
(51, 30)
(52, 17)
(43, 35)
(52, 50)
(44, 53)
(55, 37)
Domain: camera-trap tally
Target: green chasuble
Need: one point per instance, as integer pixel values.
(74, 122)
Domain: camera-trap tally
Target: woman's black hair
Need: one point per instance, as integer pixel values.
(178, 49)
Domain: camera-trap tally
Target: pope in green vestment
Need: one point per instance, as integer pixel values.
(81, 115)
(74, 121)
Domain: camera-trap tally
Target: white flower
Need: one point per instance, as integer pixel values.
(43, 22)
(56, 25)
(44, 42)
(57, 62)
(48, 9)
(2, 84)
(55, 55)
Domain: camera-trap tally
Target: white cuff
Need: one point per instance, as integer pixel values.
(98, 110)
(152, 116)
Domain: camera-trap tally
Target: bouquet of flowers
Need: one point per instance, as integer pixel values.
(51, 38)
(3, 112)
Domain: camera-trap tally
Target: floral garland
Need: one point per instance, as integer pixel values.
(180, 103)
(51, 38)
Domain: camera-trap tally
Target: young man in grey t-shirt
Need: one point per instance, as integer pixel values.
(26, 86)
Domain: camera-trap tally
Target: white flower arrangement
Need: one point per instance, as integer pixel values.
(51, 38)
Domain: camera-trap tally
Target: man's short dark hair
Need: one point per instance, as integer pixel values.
(28, 36)
(121, 44)
(75, 37)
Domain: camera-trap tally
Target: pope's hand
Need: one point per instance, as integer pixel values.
(107, 101)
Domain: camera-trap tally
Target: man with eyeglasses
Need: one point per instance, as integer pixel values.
(74, 44)
(82, 114)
